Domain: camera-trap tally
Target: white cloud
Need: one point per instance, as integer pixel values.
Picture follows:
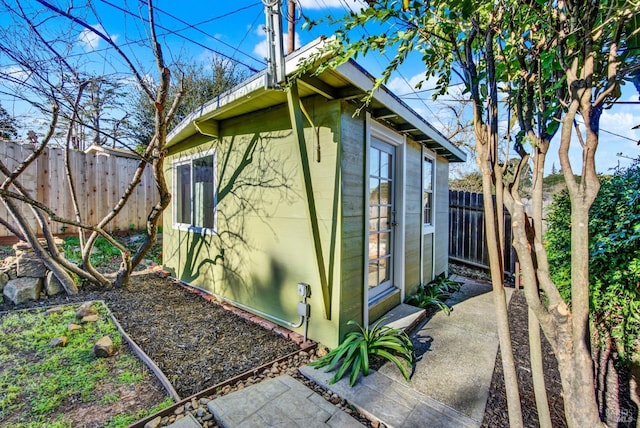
(90, 40)
(15, 73)
(261, 49)
(354, 5)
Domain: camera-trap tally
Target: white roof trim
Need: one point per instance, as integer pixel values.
(360, 78)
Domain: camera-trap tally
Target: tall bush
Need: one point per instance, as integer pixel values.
(614, 252)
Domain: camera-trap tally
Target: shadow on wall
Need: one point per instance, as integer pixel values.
(254, 177)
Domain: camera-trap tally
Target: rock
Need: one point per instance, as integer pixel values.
(29, 265)
(200, 412)
(52, 285)
(153, 423)
(104, 347)
(55, 311)
(20, 290)
(179, 410)
(86, 309)
(4, 278)
(58, 341)
(207, 417)
(74, 327)
(90, 318)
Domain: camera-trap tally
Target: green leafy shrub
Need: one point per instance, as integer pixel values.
(354, 352)
(435, 293)
(614, 244)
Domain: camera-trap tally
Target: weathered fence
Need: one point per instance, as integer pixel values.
(99, 180)
(467, 242)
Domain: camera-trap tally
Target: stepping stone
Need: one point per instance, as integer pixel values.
(187, 422)
(282, 402)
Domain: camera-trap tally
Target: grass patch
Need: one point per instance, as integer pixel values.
(40, 384)
(104, 252)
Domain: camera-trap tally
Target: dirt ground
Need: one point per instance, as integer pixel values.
(198, 344)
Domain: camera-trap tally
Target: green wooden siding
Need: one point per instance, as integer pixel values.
(262, 246)
(413, 219)
(353, 217)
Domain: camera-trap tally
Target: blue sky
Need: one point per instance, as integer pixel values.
(191, 29)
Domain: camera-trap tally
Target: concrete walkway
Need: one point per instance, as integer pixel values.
(448, 388)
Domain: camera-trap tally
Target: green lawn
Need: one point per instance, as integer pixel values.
(42, 385)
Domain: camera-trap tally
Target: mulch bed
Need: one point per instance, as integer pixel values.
(496, 413)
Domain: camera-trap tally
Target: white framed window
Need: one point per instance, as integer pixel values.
(194, 204)
(428, 207)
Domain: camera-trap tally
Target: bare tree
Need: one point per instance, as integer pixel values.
(48, 74)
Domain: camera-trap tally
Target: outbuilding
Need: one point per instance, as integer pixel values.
(294, 202)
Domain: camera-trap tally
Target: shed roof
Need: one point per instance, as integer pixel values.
(349, 81)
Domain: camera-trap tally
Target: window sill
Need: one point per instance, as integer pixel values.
(195, 230)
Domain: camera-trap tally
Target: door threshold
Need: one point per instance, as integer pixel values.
(404, 317)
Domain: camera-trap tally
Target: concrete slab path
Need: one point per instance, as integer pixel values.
(280, 402)
(450, 383)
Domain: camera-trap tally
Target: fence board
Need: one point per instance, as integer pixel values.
(100, 181)
(467, 240)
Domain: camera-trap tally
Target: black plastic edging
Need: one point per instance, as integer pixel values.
(212, 389)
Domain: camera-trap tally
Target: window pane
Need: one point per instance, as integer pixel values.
(183, 197)
(203, 192)
(427, 191)
(427, 175)
(427, 208)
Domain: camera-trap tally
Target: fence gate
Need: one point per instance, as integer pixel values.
(467, 241)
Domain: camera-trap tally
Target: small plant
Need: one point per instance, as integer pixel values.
(354, 352)
(435, 293)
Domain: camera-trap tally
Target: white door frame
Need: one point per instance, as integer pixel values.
(386, 135)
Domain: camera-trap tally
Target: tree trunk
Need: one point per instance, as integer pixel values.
(537, 372)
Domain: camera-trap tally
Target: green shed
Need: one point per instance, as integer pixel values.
(286, 203)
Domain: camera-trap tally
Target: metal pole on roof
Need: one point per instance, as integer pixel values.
(275, 59)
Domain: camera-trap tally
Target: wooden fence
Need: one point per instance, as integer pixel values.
(100, 181)
(467, 243)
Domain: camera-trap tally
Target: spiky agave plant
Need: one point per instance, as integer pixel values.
(353, 353)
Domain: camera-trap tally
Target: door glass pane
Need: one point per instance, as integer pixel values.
(385, 269)
(385, 165)
(385, 217)
(383, 244)
(374, 217)
(384, 192)
(373, 275)
(373, 246)
(374, 191)
(374, 164)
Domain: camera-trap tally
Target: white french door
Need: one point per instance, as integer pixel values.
(382, 217)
